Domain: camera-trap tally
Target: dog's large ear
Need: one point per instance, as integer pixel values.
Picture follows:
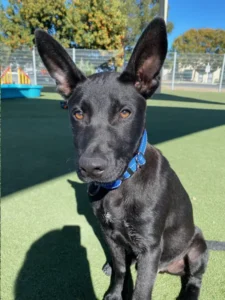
(147, 58)
(58, 63)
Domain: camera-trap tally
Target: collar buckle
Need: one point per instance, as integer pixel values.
(140, 159)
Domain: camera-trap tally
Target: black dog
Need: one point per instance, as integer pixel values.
(143, 209)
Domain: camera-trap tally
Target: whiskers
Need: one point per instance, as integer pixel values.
(70, 159)
(71, 162)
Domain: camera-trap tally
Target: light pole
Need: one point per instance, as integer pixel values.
(163, 9)
(163, 12)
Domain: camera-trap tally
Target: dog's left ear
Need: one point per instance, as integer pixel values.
(147, 59)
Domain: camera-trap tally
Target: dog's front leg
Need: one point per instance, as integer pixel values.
(118, 271)
(147, 268)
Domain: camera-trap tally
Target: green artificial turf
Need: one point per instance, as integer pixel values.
(50, 238)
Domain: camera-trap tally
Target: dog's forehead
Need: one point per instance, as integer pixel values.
(105, 87)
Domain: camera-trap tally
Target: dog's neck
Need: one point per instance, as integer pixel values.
(136, 162)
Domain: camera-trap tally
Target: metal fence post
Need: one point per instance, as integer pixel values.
(74, 55)
(163, 12)
(174, 70)
(34, 66)
(222, 74)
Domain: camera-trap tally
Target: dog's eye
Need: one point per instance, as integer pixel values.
(78, 115)
(125, 113)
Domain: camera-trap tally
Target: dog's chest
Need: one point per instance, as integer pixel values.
(116, 224)
(111, 216)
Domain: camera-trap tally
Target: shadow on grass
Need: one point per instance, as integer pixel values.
(37, 140)
(169, 97)
(56, 268)
(49, 89)
(37, 143)
(84, 208)
(167, 123)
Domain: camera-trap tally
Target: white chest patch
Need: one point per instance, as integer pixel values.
(108, 217)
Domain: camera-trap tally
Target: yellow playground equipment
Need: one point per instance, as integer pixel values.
(7, 76)
(23, 78)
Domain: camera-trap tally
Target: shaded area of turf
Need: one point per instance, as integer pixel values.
(37, 140)
(179, 97)
(51, 243)
(56, 267)
(36, 143)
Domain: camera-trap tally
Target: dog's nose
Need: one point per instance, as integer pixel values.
(93, 167)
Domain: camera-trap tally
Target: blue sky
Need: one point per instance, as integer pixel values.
(193, 14)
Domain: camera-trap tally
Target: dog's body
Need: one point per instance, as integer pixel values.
(149, 216)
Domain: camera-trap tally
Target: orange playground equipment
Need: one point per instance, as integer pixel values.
(17, 84)
(7, 76)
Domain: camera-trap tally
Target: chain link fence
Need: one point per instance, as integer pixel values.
(180, 71)
(194, 71)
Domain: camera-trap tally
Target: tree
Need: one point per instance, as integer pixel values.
(201, 41)
(207, 43)
(22, 17)
(92, 24)
(139, 14)
(100, 25)
(86, 23)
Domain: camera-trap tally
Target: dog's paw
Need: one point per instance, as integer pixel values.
(113, 297)
(107, 269)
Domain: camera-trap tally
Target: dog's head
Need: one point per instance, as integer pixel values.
(107, 110)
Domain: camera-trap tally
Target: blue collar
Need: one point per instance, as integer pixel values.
(137, 161)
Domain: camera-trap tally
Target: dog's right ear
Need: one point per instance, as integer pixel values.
(58, 63)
